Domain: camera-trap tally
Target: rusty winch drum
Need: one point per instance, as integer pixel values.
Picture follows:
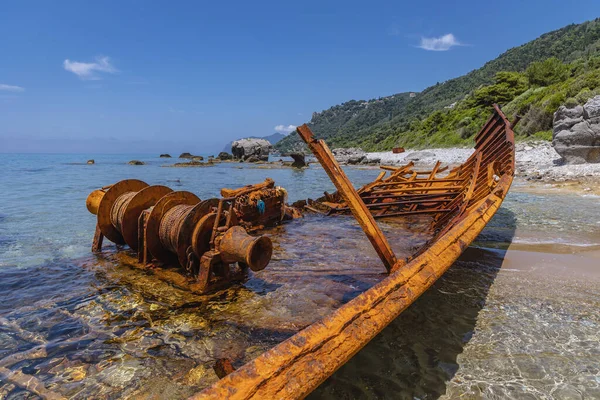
(119, 207)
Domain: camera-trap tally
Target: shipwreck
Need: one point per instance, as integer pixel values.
(216, 242)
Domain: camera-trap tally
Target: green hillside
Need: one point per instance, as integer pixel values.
(532, 79)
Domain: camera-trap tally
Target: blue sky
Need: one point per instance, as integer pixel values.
(190, 76)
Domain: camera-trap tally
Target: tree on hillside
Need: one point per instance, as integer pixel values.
(507, 85)
(547, 72)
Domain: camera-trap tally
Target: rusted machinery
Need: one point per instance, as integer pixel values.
(207, 239)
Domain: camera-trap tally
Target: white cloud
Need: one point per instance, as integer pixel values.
(285, 129)
(441, 43)
(89, 70)
(11, 88)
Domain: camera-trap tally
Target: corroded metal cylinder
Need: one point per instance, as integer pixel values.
(93, 201)
(170, 225)
(105, 209)
(237, 246)
(119, 206)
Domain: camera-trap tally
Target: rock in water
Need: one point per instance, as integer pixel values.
(165, 155)
(136, 162)
(91, 162)
(224, 156)
(254, 159)
(186, 155)
(258, 149)
(299, 160)
(576, 132)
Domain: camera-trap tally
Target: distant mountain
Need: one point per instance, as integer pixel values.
(273, 139)
(449, 113)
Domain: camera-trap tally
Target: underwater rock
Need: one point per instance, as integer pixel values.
(200, 374)
(136, 162)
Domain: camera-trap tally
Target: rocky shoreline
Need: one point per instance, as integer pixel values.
(535, 161)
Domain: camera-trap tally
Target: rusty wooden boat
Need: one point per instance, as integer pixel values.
(460, 202)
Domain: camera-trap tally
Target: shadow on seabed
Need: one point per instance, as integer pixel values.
(416, 355)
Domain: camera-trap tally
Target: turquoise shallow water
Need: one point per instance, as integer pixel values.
(484, 330)
(42, 200)
(43, 215)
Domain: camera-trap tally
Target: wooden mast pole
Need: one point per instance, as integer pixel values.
(355, 203)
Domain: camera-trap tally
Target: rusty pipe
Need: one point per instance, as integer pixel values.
(237, 246)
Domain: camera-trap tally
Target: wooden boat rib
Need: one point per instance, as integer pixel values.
(461, 204)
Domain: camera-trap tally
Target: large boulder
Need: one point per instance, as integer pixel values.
(349, 155)
(253, 149)
(576, 132)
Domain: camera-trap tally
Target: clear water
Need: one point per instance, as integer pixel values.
(42, 198)
(112, 330)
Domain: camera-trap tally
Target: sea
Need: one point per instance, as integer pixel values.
(515, 317)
